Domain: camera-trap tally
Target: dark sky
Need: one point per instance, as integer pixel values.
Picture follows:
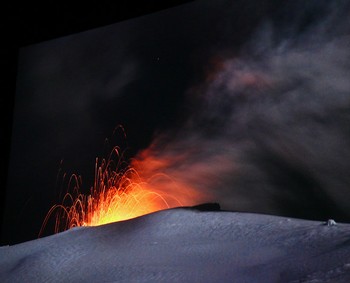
(73, 91)
(23, 26)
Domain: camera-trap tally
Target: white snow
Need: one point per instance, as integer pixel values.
(186, 245)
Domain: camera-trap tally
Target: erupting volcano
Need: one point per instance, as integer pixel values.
(118, 193)
(237, 161)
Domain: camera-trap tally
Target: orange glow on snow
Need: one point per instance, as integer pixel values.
(117, 205)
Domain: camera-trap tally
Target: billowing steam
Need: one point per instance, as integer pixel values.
(268, 131)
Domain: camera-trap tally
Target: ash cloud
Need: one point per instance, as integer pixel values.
(268, 129)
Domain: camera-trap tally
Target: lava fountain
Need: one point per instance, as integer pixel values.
(118, 193)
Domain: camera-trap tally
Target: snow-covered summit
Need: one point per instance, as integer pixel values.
(186, 245)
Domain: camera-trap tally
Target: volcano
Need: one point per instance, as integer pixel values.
(188, 244)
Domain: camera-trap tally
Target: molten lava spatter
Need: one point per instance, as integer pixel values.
(117, 194)
(117, 204)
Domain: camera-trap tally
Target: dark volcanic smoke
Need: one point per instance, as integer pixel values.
(268, 130)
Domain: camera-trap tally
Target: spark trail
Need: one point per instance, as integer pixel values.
(118, 193)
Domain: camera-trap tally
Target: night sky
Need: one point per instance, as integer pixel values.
(191, 75)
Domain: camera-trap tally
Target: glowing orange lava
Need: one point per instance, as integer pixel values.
(117, 194)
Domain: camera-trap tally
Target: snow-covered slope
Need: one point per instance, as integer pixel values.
(186, 245)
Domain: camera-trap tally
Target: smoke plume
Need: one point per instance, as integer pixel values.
(267, 130)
